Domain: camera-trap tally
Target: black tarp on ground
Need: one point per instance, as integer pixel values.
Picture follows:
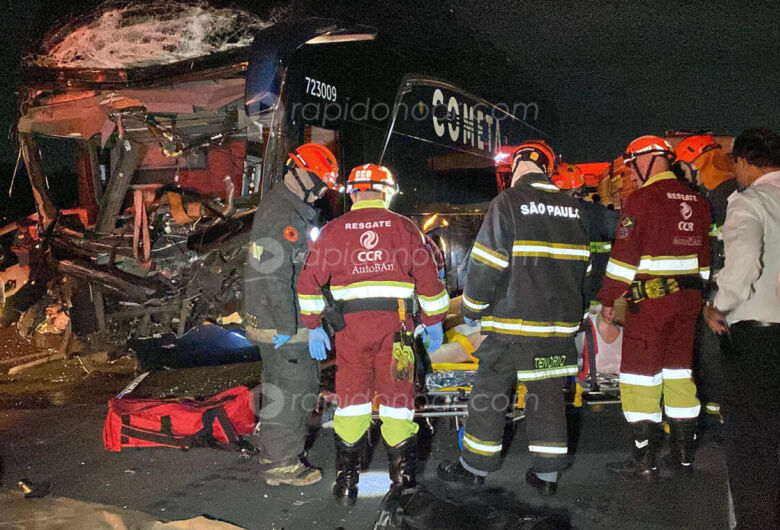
(204, 345)
(419, 508)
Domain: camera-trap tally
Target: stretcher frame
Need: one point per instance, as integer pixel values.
(452, 401)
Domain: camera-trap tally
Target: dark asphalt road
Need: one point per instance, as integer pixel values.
(63, 445)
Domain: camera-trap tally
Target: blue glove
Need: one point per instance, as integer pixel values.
(434, 337)
(469, 322)
(318, 343)
(280, 340)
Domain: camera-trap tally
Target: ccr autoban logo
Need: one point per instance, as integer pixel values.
(369, 239)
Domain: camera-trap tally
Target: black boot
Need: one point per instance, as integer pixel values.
(544, 487)
(641, 464)
(402, 462)
(348, 467)
(682, 446)
(455, 472)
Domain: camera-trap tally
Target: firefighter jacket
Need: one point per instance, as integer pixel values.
(663, 232)
(601, 226)
(527, 267)
(719, 201)
(374, 257)
(277, 249)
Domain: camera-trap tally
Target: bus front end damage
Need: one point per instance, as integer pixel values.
(141, 191)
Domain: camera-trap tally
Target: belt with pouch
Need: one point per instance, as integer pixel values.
(662, 286)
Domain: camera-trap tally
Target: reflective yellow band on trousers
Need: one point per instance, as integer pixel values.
(481, 447)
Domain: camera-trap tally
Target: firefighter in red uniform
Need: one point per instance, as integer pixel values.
(373, 262)
(660, 258)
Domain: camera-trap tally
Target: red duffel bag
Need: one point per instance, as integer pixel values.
(181, 423)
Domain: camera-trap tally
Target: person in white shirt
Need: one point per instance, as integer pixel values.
(746, 314)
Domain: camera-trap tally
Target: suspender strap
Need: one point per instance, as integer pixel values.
(589, 339)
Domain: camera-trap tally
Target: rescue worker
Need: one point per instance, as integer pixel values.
(281, 229)
(524, 282)
(713, 176)
(601, 226)
(746, 314)
(373, 262)
(661, 256)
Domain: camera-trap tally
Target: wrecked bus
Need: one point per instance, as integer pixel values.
(169, 160)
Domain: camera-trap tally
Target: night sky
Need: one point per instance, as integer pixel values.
(612, 70)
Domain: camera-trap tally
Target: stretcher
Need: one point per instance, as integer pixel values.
(448, 384)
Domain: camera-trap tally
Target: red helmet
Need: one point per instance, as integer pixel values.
(568, 177)
(536, 151)
(648, 144)
(371, 177)
(691, 147)
(319, 161)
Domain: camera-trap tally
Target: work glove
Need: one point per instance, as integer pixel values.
(469, 321)
(280, 340)
(434, 336)
(319, 342)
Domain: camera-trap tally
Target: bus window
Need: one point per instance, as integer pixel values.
(435, 178)
(443, 147)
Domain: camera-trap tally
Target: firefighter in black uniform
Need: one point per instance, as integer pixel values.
(524, 283)
(713, 176)
(601, 224)
(282, 227)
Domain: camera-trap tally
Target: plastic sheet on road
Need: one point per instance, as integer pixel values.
(61, 512)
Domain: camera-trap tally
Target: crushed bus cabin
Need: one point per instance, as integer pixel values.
(163, 166)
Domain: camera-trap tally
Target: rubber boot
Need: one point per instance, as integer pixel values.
(682, 446)
(453, 471)
(348, 467)
(402, 463)
(641, 464)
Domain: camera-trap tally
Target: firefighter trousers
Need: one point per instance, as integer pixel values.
(492, 396)
(657, 358)
(708, 368)
(751, 409)
(290, 388)
(364, 354)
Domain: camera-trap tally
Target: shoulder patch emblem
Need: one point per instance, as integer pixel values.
(290, 234)
(626, 227)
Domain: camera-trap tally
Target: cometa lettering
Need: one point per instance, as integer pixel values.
(467, 124)
(550, 209)
(367, 225)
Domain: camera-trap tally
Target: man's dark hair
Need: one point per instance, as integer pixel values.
(758, 146)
